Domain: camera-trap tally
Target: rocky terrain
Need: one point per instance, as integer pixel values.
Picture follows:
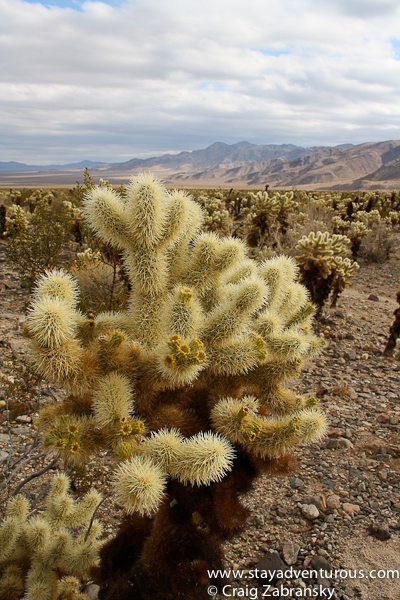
(368, 166)
(339, 511)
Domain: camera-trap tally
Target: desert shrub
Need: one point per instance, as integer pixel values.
(186, 387)
(35, 245)
(379, 243)
(102, 280)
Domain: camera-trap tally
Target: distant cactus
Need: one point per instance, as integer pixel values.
(216, 217)
(186, 387)
(46, 556)
(323, 269)
(265, 214)
(356, 231)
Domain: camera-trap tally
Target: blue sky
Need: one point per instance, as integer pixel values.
(75, 4)
(111, 80)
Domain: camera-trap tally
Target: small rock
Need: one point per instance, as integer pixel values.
(92, 591)
(3, 456)
(21, 430)
(319, 562)
(271, 562)
(393, 420)
(350, 355)
(333, 502)
(290, 552)
(335, 433)
(329, 519)
(382, 418)
(351, 509)
(296, 483)
(384, 457)
(309, 511)
(373, 298)
(383, 474)
(379, 532)
(24, 419)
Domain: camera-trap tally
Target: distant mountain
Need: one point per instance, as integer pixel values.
(363, 166)
(216, 155)
(16, 166)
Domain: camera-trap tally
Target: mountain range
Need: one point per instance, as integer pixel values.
(372, 165)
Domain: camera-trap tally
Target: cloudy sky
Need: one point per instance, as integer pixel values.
(115, 79)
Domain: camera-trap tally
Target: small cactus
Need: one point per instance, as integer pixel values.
(324, 271)
(37, 552)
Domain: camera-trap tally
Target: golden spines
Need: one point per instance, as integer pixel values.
(112, 400)
(51, 321)
(239, 356)
(203, 458)
(145, 211)
(182, 314)
(104, 210)
(139, 485)
(57, 283)
(232, 315)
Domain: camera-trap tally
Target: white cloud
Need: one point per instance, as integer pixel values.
(111, 81)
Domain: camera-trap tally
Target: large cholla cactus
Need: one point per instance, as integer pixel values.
(45, 557)
(186, 387)
(322, 266)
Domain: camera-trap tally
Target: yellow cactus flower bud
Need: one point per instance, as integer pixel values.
(126, 429)
(185, 294)
(124, 450)
(116, 339)
(197, 519)
(170, 360)
(74, 448)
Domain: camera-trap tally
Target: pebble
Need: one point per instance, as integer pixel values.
(351, 509)
(379, 532)
(309, 511)
(290, 552)
(271, 562)
(3, 456)
(296, 483)
(333, 502)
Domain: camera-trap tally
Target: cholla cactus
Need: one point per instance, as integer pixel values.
(356, 231)
(16, 220)
(323, 269)
(186, 387)
(38, 197)
(265, 214)
(46, 556)
(216, 217)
